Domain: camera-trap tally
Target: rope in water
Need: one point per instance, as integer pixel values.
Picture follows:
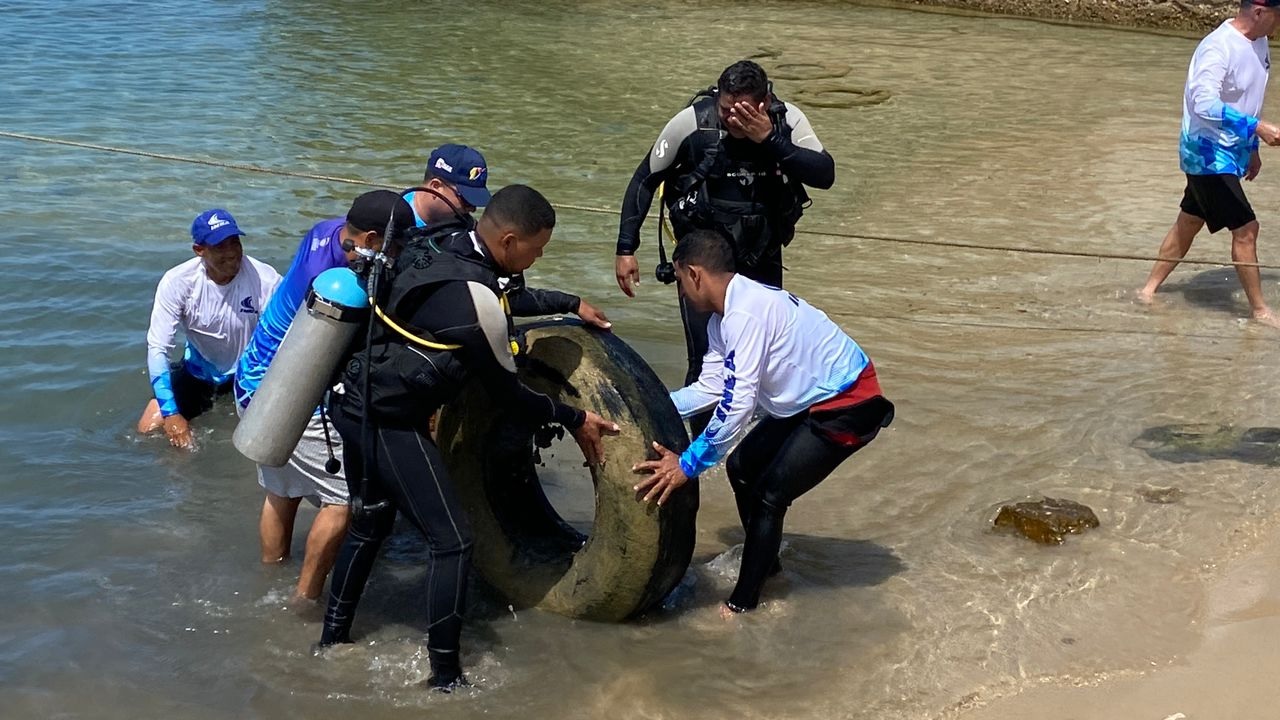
(1069, 329)
(244, 167)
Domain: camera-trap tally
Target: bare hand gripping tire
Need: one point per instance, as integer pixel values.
(636, 552)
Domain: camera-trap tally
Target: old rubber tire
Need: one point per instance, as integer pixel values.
(636, 552)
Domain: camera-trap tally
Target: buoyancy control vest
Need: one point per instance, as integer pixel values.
(410, 372)
(736, 187)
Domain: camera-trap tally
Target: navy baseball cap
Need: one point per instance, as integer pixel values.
(463, 168)
(213, 226)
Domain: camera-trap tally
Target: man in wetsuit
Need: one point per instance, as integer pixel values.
(1221, 128)
(453, 186)
(329, 244)
(214, 298)
(447, 306)
(772, 351)
(735, 161)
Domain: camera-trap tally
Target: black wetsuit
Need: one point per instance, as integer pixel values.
(448, 293)
(751, 192)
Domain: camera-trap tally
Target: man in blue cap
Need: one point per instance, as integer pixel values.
(452, 187)
(214, 298)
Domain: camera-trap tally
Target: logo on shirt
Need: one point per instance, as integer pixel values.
(246, 305)
(662, 149)
(216, 221)
(726, 400)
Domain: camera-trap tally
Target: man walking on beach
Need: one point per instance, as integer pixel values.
(1219, 145)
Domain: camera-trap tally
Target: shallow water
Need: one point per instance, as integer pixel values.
(133, 587)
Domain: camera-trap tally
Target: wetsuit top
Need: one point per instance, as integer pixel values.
(1221, 103)
(320, 250)
(524, 301)
(792, 152)
(770, 350)
(217, 320)
(449, 294)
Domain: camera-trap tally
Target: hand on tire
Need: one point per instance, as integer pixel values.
(666, 477)
(590, 437)
(592, 315)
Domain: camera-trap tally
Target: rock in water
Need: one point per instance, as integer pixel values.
(1160, 495)
(1198, 442)
(1047, 521)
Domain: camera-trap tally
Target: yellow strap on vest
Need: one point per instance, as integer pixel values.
(666, 224)
(506, 308)
(410, 336)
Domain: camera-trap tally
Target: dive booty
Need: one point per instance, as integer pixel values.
(303, 368)
(635, 552)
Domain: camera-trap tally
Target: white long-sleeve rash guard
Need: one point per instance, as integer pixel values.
(770, 349)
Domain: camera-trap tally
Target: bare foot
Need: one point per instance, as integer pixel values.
(305, 607)
(1266, 317)
(1144, 296)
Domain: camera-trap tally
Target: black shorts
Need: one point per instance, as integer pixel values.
(1218, 200)
(193, 395)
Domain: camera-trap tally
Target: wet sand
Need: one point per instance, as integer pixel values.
(1230, 676)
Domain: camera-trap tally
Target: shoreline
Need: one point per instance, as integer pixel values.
(1174, 17)
(1229, 674)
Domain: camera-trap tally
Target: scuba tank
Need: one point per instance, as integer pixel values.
(336, 307)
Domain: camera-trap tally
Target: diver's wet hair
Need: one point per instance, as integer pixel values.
(707, 249)
(522, 208)
(744, 78)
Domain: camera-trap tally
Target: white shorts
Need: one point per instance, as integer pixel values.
(304, 475)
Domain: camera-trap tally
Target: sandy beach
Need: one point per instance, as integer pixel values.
(1171, 15)
(1230, 676)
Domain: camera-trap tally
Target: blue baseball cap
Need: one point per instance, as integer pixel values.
(213, 226)
(463, 168)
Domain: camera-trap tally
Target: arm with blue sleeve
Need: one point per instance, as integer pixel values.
(277, 316)
(705, 393)
(166, 316)
(743, 344)
(1206, 97)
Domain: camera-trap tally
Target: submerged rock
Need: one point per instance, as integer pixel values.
(1160, 495)
(1199, 442)
(1046, 521)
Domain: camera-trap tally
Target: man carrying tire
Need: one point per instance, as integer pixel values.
(445, 319)
(768, 349)
(734, 161)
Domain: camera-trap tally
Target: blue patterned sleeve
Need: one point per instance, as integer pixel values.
(1241, 125)
(744, 352)
(166, 316)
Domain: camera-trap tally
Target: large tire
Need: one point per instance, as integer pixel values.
(636, 553)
